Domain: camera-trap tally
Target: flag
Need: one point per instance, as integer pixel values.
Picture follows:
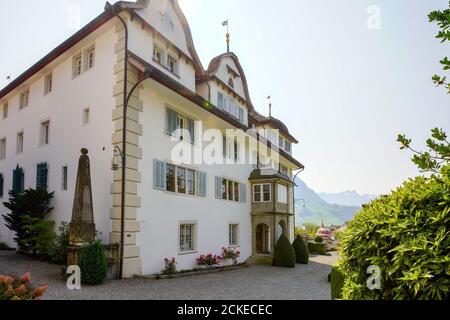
(269, 97)
(225, 23)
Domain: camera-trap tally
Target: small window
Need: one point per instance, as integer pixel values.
(5, 111)
(19, 148)
(23, 99)
(170, 178)
(64, 178)
(187, 234)
(90, 58)
(191, 182)
(45, 133)
(288, 146)
(172, 64)
(86, 116)
(42, 175)
(48, 87)
(233, 230)
(158, 54)
(3, 149)
(181, 180)
(282, 194)
(231, 83)
(262, 192)
(77, 65)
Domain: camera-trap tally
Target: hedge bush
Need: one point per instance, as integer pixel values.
(92, 263)
(284, 255)
(318, 239)
(405, 234)
(337, 283)
(301, 251)
(317, 248)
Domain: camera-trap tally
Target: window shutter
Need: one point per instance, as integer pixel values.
(243, 189)
(159, 175)
(171, 121)
(1, 185)
(241, 115)
(18, 180)
(202, 186)
(218, 188)
(41, 175)
(191, 129)
(220, 103)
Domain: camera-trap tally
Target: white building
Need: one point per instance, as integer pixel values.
(73, 98)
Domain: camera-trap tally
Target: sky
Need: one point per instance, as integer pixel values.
(345, 76)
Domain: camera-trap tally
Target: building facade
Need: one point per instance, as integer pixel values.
(74, 98)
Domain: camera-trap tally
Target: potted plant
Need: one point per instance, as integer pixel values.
(209, 261)
(229, 256)
(170, 267)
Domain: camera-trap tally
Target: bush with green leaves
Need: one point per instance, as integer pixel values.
(407, 235)
(337, 283)
(317, 248)
(26, 218)
(318, 239)
(93, 264)
(284, 255)
(301, 251)
(57, 251)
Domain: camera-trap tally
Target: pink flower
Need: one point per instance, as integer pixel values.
(26, 278)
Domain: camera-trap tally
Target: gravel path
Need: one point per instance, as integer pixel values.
(305, 282)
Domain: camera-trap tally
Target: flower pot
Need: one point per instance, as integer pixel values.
(227, 262)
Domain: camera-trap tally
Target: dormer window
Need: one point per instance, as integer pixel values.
(172, 64)
(231, 83)
(158, 54)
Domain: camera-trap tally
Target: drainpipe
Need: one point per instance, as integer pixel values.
(293, 195)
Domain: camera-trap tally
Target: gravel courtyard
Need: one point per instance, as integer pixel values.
(305, 282)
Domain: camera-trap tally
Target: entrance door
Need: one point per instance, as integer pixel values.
(262, 239)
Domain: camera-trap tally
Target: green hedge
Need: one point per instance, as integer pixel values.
(337, 283)
(407, 235)
(284, 255)
(317, 248)
(92, 263)
(301, 251)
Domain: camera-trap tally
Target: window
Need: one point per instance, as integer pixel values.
(191, 182)
(23, 99)
(170, 178)
(90, 58)
(158, 54)
(233, 230)
(172, 64)
(19, 145)
(284, 170)
(231, 83)
(86, 115)
(229, 190)
(230, 106)
(42, 175)
(282, 194)
(5, 111)
(178, 179)
(48, 85)
(288, 146)
(1, 185)
(281, 143)
(236, 191)
(3, 149)
(262, 192)
(181, 180)
(64, 178)
(187, 233)
(45, 133)
(77, 65)
(180, 125)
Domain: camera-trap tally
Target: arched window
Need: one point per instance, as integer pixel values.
(231, 83)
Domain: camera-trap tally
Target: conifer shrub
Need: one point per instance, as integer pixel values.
(317, 248)
(337, 283)
(92, 263)
(406, 234)
(301, 251)
(284, 255)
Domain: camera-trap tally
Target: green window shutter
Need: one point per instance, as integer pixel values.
(171, 121)
(1, 185)
(159, 175)
(243, 190)
(42, 175)
(18, 180)
(191, 129)
(218, 188)
(202, 189)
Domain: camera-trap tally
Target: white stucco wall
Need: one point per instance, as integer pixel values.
(64, 108)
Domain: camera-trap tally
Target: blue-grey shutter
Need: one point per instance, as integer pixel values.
(41, 175)
(191, 129)
(241, 114)
(218, 188)
(159, 175)
(202, 185)
(1, 185)
(171, 121)
(18, 180)
(220, 101)
(243, 190)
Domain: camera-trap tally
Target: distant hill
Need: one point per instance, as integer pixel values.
(348, 198)
(318, 210)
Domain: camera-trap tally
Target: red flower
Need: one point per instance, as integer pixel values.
(39, 292)
(26, 278)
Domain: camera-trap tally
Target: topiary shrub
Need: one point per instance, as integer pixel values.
(92, 263)
(284, 255)
(405, 234)
(318, 239)
(301, 251)
(337, 283)
(317, 248)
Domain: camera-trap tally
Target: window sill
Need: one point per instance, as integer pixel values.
(185, 253)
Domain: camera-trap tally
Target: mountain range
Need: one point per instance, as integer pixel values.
(331, 209)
